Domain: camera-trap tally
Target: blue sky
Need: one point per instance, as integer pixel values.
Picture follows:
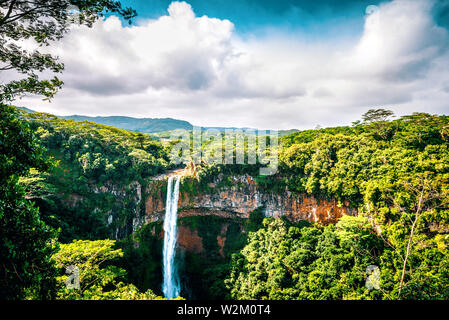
(248, 14)
(309, 16)
(262, 64)
(314, 18)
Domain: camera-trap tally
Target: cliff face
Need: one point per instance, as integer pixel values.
(239, 198)
(118, 205)
(226, 197)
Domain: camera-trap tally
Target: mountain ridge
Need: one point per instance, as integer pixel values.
(147, 125)
(144, 125)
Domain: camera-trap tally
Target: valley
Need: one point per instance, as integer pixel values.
(109, 183)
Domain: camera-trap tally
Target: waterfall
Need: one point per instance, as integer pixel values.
(170, 286)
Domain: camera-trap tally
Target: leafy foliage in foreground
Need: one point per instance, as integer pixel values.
(26, 242)
(38, 23)
(286, 261)
(98, 278)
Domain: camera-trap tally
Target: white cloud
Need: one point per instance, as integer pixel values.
(198, 69)
(400, 41)
(177, 51)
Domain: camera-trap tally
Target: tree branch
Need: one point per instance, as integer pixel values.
(11, 6)
(417, 215)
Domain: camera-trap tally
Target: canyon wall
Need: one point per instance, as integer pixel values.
(238, 198)
(127, 208)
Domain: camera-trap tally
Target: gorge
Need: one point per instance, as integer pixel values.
(341, 201)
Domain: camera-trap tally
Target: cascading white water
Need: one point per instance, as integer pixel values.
(170, 286)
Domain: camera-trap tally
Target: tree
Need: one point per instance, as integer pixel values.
(43, 21)
(140, 139)
(26, 243)
(424, 198)
(97, 277)
(377, 118)
(377, 115)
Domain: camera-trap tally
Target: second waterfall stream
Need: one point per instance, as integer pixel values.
(171, 286)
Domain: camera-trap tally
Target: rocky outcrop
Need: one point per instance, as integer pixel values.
(239, 197)
(226, 197)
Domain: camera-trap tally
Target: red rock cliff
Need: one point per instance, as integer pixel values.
(242, 197)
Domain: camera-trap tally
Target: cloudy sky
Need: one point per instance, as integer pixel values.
(251, 63)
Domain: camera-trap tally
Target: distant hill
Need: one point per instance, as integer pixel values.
(26, 109)
(145, 125)
(287, 132)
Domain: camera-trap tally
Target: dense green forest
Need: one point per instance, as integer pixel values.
(395, 172)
